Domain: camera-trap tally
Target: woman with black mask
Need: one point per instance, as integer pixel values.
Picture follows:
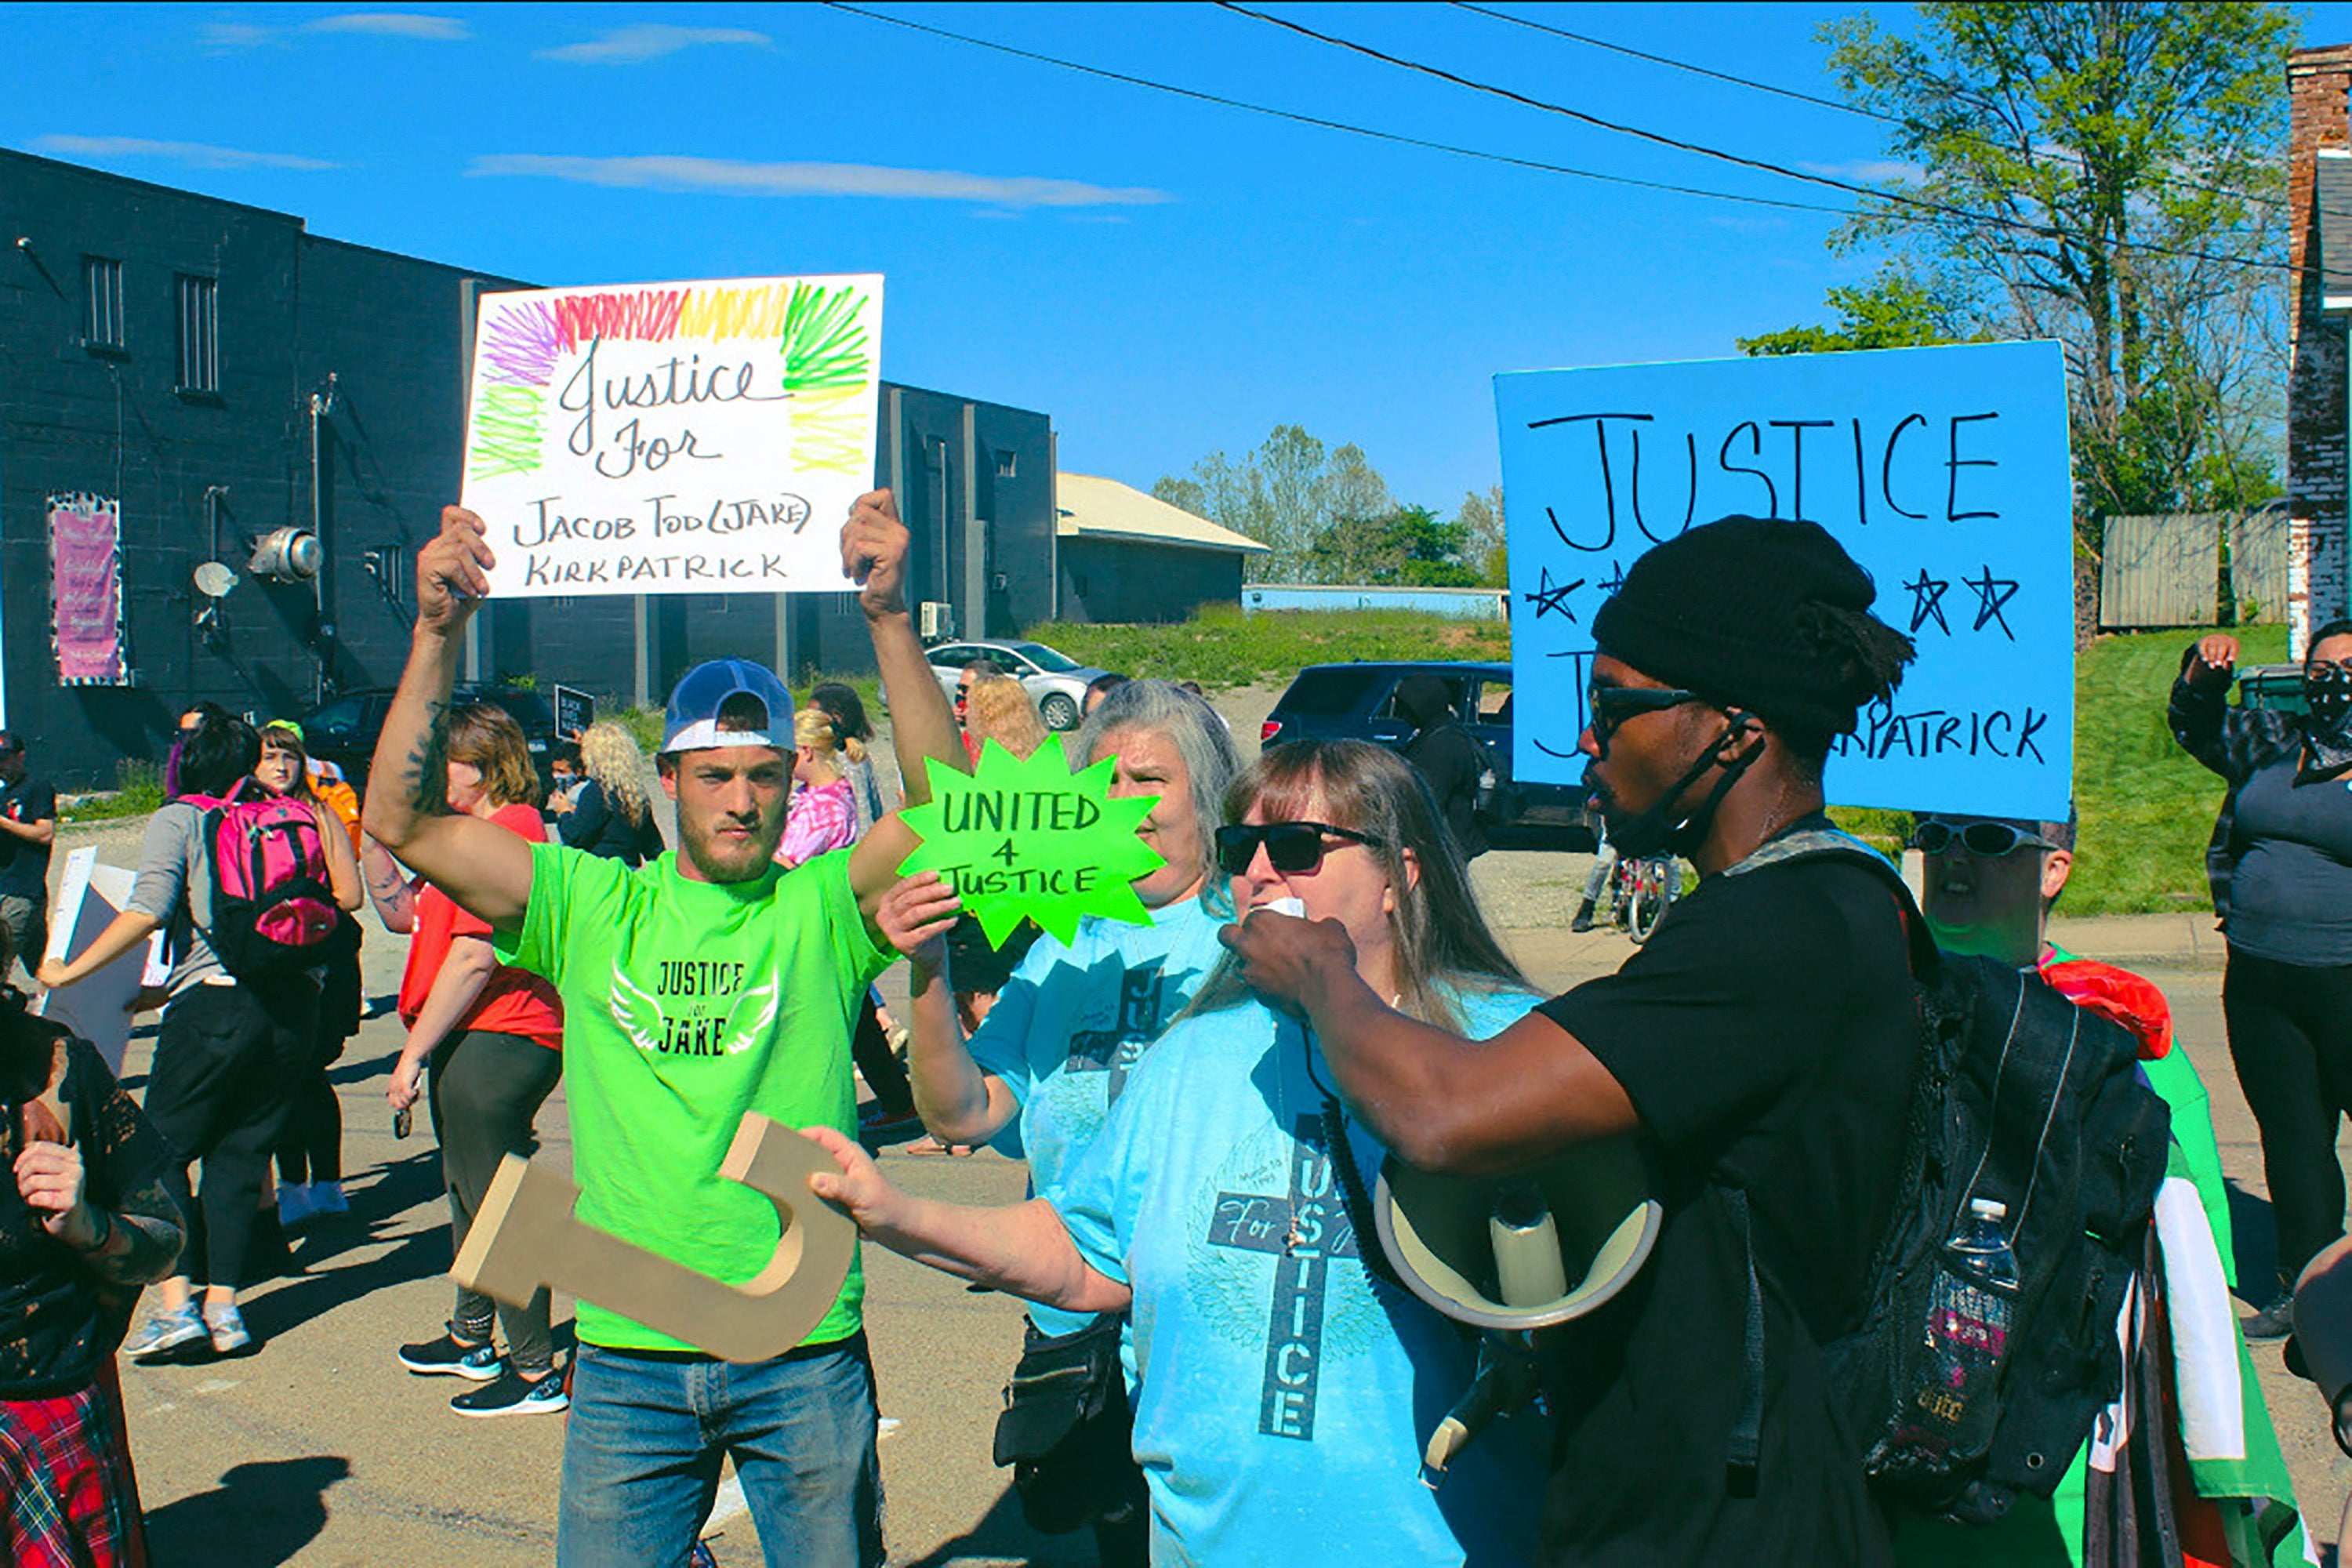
(2281, 868)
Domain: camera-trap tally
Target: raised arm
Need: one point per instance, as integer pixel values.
(388, 887)
(959, 1102)
(481, 866)
(2232, 741)
(1444, 1104)
(873, 552)
(1022, 1249)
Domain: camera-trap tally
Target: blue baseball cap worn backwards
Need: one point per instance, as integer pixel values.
(692, 723)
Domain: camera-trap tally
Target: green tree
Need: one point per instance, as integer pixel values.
(1481, 517)
(1285, 495)
(1407, 546)
(1894, 311)
(2110, 176)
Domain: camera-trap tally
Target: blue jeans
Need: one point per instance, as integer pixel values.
(642, 1449)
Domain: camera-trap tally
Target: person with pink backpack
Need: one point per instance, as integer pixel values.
(249, 886)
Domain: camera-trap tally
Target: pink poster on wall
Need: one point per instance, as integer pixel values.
(86, 590)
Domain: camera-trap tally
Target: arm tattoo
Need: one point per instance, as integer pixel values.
(426, 772)
(149, 1224)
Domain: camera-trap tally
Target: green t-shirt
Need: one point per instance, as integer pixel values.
(685, 1005)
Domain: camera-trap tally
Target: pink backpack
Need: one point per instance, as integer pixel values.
(273, 910)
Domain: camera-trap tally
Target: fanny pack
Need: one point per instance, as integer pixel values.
(1067, 1431)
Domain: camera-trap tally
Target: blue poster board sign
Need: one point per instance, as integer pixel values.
(1943, 472)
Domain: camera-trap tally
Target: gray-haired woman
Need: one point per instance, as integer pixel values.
(1056, 1047)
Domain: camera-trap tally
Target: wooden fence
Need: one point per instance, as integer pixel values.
(2167, 569)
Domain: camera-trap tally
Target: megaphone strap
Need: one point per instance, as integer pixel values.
(1353, 1192)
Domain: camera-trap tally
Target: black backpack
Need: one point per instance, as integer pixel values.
(2022, 1099)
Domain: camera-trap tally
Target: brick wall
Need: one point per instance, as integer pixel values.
(2318, 81)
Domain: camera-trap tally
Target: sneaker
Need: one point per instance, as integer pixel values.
(874, 1121)
(327, 1197)
(515, 1394)
(230, 1336)
(2274, 1322)
(166, 1329)
(294, 1204)
(451, 1356)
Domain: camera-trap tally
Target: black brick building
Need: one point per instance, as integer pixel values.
(221, 373)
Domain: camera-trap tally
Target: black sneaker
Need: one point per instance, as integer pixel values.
(453, 1357)
(2274, 1322)
(515, 1394)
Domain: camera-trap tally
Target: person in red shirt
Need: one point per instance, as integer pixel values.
(494, 1038)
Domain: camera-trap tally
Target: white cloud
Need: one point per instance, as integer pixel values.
(227, 37)
(194, 154)
(220, 38)
(392, 25)
(648, 41)
(727, 177)
(1868, 169)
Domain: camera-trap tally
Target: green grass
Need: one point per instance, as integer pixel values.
(2147, 809)
(1223, 647)
(139, 790)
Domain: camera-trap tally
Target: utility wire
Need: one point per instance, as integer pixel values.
(1321, 123)
(1868, 193)
(2177, 181)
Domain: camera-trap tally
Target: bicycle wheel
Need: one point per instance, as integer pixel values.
(1652, 891)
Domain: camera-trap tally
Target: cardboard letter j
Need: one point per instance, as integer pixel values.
(526, 1236)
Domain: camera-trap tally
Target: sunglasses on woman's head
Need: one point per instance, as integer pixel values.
(1989, 839)
(1291, 847)
(1612, 706)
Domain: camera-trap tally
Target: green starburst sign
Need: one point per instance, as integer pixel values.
(1033, 839)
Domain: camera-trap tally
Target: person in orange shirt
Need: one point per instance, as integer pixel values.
(494, 1036)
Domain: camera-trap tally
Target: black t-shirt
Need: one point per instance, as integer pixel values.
(1450, 761)
(25, 868)
(58, 1319)
(1765, 1035)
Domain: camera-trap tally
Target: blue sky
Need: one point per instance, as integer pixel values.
(1164, 277)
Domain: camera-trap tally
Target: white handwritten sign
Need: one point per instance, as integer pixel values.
(673, 437)
(1942, 470)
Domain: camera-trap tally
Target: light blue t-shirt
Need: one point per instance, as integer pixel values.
(1070, 1025)
(1282, 1399)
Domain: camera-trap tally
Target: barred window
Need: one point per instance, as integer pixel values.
(199, 333)
(102, 279)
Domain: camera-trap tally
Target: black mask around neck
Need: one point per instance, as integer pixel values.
(1664, 826)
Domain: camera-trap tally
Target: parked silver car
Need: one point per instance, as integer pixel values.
(1056, 682)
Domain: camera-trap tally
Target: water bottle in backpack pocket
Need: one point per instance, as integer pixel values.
(273, 909)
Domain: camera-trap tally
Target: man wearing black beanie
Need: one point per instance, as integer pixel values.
(1761, 1044)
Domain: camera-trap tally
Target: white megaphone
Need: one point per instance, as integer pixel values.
(1514, 1254)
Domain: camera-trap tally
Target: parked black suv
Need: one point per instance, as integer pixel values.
(1357, 701)
(345, 730)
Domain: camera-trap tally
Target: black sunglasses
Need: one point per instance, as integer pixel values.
(1989, 839)
(1610, 706)
(1291, 847)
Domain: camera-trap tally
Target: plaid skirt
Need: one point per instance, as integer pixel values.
(66, 1477)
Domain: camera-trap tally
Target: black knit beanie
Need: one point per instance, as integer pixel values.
(1731, 610)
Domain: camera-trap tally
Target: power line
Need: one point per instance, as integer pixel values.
(1321, 123)
(1923, 203)
(2177, 181)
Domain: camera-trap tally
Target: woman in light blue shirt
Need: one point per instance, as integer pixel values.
(1061, 1042)
(1283, 1395)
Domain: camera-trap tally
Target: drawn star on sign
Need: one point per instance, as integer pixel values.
(1551, 599)
(1927, 601)
(1615, 580)
(1992, 594)
(1033, 839)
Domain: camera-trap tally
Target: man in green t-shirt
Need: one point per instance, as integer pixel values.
(702, 985)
